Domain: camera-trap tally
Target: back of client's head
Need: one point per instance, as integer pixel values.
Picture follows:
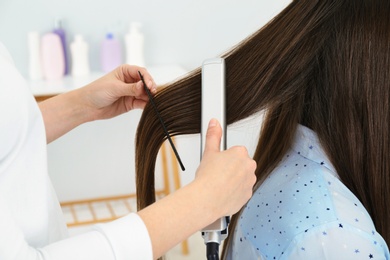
(323, 64)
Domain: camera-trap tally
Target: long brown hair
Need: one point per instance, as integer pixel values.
(323, 64)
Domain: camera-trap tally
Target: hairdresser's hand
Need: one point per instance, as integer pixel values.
(117, 92)
(226, 177)
(223, 184)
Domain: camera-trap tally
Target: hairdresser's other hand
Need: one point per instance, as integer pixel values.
(223, 184)
(117, 92)
(226, 177)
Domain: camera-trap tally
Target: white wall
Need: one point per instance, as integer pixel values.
(176, 31)
(96, 159)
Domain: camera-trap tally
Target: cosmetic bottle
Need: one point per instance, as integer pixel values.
(34, 55)
(110, 53)
(134, 40)
(61, 33)
(79, 50)
(53, 62)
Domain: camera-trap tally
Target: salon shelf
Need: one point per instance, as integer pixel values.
(43, 89)
(99, 210)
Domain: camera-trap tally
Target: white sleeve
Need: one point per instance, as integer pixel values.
(337, 242)
(124, 238)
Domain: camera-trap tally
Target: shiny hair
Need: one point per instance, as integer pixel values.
(322, 64)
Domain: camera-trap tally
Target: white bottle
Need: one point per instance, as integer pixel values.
(134, 41)
(79, 50)
(34, 55)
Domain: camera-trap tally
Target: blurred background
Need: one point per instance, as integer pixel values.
(175, 32)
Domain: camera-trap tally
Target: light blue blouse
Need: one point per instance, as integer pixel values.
(303, 211)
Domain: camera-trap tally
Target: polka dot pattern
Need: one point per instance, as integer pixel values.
(303, 211)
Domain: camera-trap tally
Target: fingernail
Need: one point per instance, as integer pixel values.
(213, 122)
(151, 87)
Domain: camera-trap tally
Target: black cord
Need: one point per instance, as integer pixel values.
(212, 251)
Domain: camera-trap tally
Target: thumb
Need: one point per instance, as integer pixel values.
(134, 89)
(213, 137)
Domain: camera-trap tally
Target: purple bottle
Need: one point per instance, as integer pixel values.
(110, 53)
(61, 33)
